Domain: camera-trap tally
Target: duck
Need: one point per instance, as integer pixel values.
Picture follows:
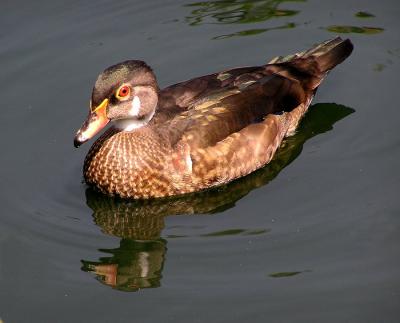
(200, 133)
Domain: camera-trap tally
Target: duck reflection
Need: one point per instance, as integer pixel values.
(138, 261)
(134, 265)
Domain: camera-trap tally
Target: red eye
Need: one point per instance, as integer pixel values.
(123, 91)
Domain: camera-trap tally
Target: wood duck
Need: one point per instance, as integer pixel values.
(200, 133)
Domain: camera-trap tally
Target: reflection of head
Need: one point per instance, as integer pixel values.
(132, 266)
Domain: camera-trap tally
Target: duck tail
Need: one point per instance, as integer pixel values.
(311, 66)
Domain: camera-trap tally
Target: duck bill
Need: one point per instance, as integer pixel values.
(96, 120)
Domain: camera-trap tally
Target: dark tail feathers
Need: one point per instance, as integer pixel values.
(311, 66)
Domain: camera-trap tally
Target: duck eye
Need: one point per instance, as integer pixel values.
(123, 92)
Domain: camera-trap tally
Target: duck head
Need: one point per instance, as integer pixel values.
(126, 93)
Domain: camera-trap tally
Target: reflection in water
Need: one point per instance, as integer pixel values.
(364, 14)
(132, 266)
(139, 260)
(379, 67)
(239, 12)
(354, 29)
(287, 274)
(250, 32)
(232, 232)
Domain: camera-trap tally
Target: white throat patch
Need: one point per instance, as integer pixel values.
(133, 123)
(135, 107)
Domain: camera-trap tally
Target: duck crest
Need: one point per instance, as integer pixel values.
(202, 132)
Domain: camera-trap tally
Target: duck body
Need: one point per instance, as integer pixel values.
(200, 133)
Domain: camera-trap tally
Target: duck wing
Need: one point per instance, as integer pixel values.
(211, 118)
(231, 131)
(205, 110)
(181, 96)
(308, 67)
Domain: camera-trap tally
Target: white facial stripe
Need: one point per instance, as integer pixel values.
(135, 107)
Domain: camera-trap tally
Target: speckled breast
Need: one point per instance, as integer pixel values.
(135, 165)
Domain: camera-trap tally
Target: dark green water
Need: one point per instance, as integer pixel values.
(312, 237)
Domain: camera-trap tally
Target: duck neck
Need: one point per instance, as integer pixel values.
(131, 124)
